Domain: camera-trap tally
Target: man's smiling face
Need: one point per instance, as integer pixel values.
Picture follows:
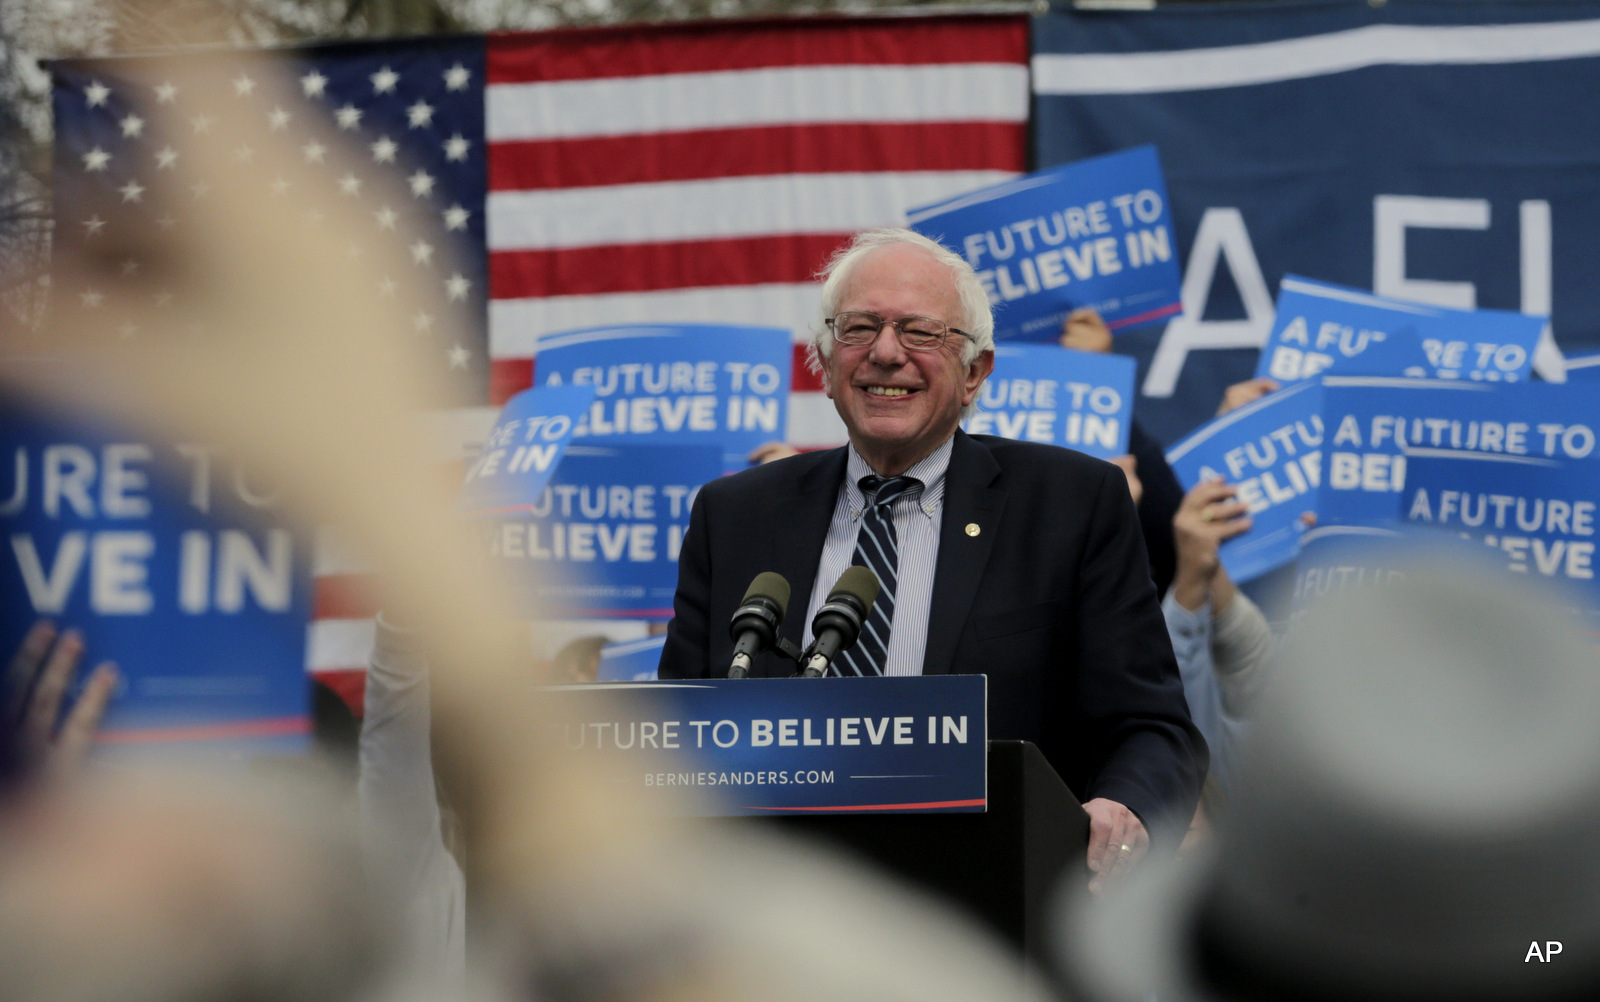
(900, 405)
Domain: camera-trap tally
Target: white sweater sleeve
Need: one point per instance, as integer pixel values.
(400, 810)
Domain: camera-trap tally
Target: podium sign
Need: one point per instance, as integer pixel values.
(789, 746)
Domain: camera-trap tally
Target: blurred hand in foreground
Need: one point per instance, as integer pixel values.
(39, 678)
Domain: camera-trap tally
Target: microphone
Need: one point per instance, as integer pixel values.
(838, 623)
(754, 627)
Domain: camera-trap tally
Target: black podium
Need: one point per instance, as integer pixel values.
(1002, 866)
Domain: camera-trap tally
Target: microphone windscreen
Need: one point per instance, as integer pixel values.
(770, 584)
(858, 582)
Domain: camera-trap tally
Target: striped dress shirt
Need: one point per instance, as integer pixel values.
(916, 524)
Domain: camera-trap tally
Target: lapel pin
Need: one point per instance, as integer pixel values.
(972, 529)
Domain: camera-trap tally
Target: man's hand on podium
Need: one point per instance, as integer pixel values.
(1116, 839)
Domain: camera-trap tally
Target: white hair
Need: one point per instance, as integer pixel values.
(977, 319)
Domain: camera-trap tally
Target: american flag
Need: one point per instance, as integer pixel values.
(704, 172)
(684, 173)
(409, 117)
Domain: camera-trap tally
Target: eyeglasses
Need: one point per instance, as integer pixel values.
(915, 333)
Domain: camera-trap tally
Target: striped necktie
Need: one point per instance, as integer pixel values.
(877, 548)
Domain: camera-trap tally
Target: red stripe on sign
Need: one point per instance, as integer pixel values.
(1144, 318)
(803, 379)
(208, 732)
(749, 152)
(644, 267)
(883, 807)
(508, 377)
(707, 47)
(344, 596)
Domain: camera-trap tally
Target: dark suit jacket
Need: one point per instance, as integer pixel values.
(1052, 599)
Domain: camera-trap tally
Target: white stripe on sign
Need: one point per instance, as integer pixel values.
(1298, 58)
(515, 325)
(786, 95)
(717, 207)
(339, 643)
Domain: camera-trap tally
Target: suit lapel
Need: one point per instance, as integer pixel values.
(799, 541)
(968, 501)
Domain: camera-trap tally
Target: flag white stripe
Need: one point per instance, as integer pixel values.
(717, 207)
(813, 421)
(339, 643)
(787, 95)
(515, 325)
(1298, 58)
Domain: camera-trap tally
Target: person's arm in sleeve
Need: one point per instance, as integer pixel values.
(400, 807)
(1147, 753)
(1241, 645)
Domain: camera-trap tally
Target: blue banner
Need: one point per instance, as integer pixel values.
(773, 746)
(1329, 328)
(1534, 516)
(1271, 451)
(631, 660)
(1345, 141)
(677, 384)
(1378, 426)
(1096, 233)
(602, 539)
(521, 453)
(170, 560)
(1058, 396)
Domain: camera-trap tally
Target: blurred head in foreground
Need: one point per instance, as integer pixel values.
(1421, 804)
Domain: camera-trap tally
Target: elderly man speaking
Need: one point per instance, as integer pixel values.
(1020, 561)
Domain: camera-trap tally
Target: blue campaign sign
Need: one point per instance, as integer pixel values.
(170, 560)
(676, 384)
(1271, 450)
(1325, 328)
(1368, 418)
(1058, 396)
(772, 746)
(1345, 141)
(1322, 327)
(1096, 233)
(631, 660)
(1534, 515)
(521, 453)
(1378, 426)
(602, 539)
(1583, 367)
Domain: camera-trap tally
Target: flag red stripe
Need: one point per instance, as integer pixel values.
(706, 47)
(271, 727)
(803, 379)
(644, 267)
(508, 377)
(344, 596)
(643, 158)
(349, 684)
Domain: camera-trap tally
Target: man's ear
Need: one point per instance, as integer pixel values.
(977, 372)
